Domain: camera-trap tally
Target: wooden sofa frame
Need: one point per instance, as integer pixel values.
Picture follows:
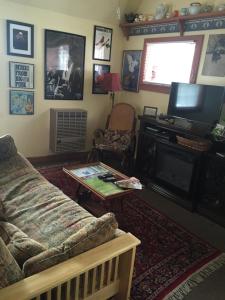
(99, 273)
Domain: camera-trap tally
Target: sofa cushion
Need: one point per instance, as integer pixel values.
(2, 217)
(36, 206)
(90, 236)
(10, 272)
(19, 244)
(7, 147)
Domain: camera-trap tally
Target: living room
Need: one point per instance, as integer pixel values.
(31, 132)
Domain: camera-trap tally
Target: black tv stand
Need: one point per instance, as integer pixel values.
(178, 172)
(167, 118)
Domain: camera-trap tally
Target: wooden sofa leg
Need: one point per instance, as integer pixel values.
(126, 268)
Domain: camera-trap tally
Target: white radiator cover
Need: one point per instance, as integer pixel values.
(68, 130)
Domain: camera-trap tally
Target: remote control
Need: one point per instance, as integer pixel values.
(105, 176)
(109, 179)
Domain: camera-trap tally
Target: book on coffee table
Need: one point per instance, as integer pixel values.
(105, 188)
(89, 171)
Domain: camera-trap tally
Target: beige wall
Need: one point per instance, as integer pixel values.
(139, 100)
(31, 133)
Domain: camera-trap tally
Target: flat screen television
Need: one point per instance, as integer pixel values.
(196, 102)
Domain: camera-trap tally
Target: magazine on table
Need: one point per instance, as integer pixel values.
(89, 171)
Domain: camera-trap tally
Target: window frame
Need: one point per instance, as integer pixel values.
(165, 88)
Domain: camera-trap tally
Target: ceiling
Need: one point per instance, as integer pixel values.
(105, 11)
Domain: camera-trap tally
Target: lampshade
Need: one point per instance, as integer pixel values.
(111, 82)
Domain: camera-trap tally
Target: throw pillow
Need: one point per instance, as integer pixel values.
(97, 232)
(19, 244)
(10, 272)
(43, 261)
(7, 147)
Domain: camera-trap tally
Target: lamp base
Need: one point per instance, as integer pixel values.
(112, 95)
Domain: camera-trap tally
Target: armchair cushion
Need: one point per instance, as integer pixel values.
(7, 147)
(18, 243)
(116, 140)
(10, 272)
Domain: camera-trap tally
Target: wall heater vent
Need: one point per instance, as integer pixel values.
(67, 130)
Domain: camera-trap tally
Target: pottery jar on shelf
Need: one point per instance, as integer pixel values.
(221, 7)
(195, 8)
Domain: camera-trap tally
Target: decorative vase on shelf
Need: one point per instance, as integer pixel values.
(195, 8)
(130, 17)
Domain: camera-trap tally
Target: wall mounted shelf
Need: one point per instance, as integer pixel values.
(204, 21)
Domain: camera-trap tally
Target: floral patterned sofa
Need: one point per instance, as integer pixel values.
(42, 231)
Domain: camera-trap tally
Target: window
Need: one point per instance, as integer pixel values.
(170, 59)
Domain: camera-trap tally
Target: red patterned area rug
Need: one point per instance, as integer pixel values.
(170, 260)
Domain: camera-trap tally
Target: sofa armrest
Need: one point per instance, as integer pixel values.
(110, 258)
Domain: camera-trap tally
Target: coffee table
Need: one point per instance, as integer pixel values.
(86, 175)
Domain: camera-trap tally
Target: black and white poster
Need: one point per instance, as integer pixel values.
(64, 65)
(20, 39)
(21, 75)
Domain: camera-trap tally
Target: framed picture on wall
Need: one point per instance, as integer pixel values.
(64, 65)
(98, 74)
(102, 43)
(150, 111)
(21, 102)
(21, 75)
(214, 64)
(131, 70)
(20, 39)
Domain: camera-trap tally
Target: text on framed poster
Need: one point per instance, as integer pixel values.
(21, 75)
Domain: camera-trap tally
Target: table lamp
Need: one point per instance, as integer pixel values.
(111, 83)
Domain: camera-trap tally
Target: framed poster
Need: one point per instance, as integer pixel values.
(214, 64)
(98, 74)
(64, 65)
(20, 39)
(21, 75)
(102, 43)
(131, 70)
(21, 102)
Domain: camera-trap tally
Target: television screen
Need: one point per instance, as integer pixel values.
(196, 102)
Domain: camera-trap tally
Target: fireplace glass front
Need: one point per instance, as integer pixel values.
(175, 167)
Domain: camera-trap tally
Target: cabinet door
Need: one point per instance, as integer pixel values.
(213, 191)
(146, 151)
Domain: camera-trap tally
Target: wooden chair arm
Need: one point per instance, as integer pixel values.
(98, 135)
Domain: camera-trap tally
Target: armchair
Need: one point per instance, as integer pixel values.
(118, 138)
